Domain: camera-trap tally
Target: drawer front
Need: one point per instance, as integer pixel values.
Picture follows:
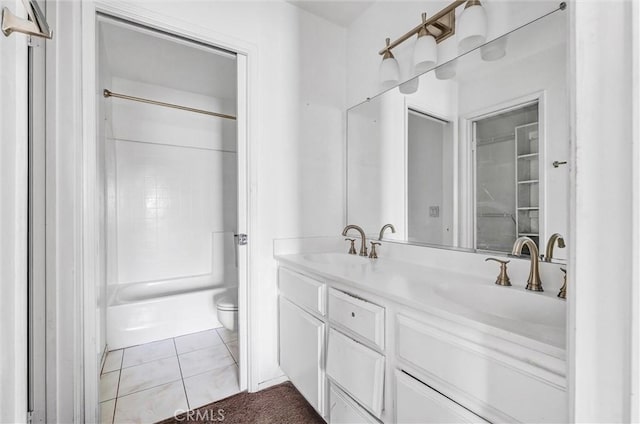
(471, 375)
(300, 352)
(361, 317)
(302, 290)
(356, 369)
(344, 410)
(419, 403)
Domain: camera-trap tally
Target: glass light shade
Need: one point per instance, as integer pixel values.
(389, 72)
(447, 71)
(471, 28)
(494, 50)
(425, 53)
(410, 87)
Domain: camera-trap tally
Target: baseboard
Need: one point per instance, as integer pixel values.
(272, 382)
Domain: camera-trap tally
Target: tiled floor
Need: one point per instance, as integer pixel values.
(153, 381)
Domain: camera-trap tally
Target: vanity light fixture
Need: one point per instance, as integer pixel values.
(472, 30)
(425, 53)
(389, 69)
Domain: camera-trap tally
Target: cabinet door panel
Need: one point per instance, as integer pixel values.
(344, 410)
(302, 290)
(418, 403)
(356, 369)
(358, 315)
(301, 340)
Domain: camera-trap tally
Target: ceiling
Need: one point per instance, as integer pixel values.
(139, 54)
(341, 13)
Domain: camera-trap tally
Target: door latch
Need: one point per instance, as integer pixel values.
(241, 239)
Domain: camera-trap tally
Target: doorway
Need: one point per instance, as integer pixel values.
(429, 178)
(171, 210)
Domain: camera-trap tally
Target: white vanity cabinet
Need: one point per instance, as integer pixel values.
(302, 335)
(359, 356)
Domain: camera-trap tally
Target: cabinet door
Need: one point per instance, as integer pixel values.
(301, 340)
(343, 410)
(418, 403)
(356, 369)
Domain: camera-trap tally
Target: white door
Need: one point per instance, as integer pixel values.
(21, 247)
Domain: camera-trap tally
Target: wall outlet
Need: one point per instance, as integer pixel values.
(434, 211)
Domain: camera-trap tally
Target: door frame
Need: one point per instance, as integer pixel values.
(467, 129)
(13, 225)
(247, 181)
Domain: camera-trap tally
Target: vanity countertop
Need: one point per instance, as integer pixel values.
(532, 320)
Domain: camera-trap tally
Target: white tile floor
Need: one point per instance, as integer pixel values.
(150, 382)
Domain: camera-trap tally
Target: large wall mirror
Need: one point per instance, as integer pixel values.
(477, 156)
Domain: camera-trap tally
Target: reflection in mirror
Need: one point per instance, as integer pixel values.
(507, 184)
(429, 182)
(466, 162)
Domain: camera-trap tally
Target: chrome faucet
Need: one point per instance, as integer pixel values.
(548, 255)
(384, 227)
(363, 239)
(533, 283)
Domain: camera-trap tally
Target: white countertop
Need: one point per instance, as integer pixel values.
(534, 320)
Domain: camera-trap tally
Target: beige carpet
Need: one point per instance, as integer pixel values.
(281, 404)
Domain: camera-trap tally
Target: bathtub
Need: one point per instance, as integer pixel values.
(156, 310)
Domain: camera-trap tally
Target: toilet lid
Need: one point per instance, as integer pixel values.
(228, 303)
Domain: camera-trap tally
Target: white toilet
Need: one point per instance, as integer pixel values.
(227, 306)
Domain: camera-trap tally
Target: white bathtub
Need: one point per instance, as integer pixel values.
(149, 311)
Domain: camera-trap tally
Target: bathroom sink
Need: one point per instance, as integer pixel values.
(336, 259)
(506, 303)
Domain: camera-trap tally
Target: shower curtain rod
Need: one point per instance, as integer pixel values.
(109, 93)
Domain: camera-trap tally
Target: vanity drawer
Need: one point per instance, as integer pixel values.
(419, 403)
(493, 385)
(357, 370)
(304, 291)
(344, 410)
(361, 317)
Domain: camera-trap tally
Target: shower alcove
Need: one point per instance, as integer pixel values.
(169, 183)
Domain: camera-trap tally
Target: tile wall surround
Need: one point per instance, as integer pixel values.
(150, 382)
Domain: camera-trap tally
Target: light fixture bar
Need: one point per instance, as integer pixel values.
(444, 21)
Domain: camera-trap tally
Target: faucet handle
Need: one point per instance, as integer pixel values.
(503, 277)
(352, 248)
(374, 254)
(563, 290)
